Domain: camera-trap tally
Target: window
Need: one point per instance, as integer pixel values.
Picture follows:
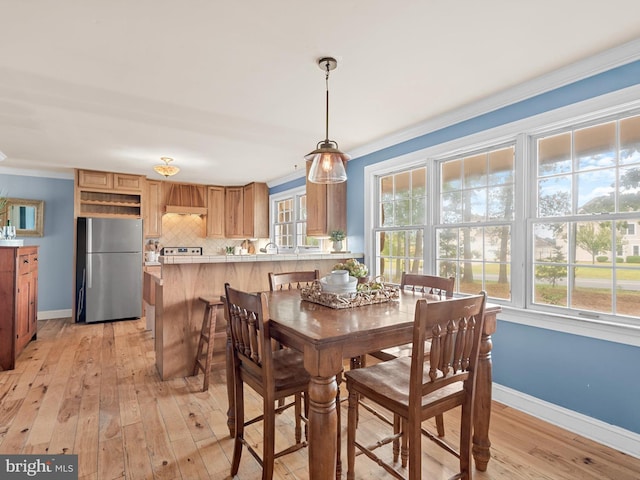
(400, 224)
(290, 222)
(473, 235)
(545, 221)
(588, 206)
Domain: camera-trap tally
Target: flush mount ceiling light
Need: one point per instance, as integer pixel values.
(328, 161)
(166, 170)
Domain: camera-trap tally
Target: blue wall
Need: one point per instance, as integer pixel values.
(563, 369)
(55, 257)
(590, 376)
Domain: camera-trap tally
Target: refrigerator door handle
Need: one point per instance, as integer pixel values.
(89, 270)
(89, 235)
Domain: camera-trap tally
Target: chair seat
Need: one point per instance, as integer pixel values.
(388, 383)
(288, 370)
(399, 351)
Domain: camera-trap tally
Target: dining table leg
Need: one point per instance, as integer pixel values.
(322, 427)
(482, 414)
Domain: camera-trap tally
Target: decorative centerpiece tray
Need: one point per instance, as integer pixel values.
(367, 294)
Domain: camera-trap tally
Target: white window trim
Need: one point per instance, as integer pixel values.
(609, 104)
(276, 197)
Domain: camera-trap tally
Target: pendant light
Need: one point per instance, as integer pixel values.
(328, 161)
(166, 170)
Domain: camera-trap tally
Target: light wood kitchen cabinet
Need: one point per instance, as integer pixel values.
(326, 207)
(123, 181)
(247, 211)
(106, 194)
(256, 210)
(153, 208)
(93, 179)
(109, 180)
(234, 212)
(18, 301)
(215, 212)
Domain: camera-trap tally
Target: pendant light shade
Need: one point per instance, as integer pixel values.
(328, 164)
(327, 160)
(166, 170)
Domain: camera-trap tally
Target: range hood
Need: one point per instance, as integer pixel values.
(186, 199)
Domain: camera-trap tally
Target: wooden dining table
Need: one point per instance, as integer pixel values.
(327, 336)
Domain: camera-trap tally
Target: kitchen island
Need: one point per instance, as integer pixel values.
(183, 279)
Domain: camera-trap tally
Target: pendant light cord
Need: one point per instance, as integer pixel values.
(326, 79)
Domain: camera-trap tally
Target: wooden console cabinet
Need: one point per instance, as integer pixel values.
(18, 301)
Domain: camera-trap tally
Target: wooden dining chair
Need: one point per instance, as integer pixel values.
(442, 287)
(415, 390)
(429, 284)
(292, 280)
(273, 374)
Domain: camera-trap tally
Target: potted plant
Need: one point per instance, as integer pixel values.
(337, 236)
(355, 269)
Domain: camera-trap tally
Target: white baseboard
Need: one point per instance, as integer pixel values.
(591, 428)
(48, 314)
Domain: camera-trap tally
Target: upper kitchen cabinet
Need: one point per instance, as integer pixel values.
(256, 210)
(215, 212)
(153, 209)
(247, 211)
(234, 212)
(106, 194)
(326, 207)
(109, 181)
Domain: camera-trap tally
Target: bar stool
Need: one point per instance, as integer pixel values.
(207, 334)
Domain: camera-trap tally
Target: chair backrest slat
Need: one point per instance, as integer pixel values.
(441, 286)
(248, 316)
(292, 280)
(455, 328)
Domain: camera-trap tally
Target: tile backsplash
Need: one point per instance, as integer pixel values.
(189, 231)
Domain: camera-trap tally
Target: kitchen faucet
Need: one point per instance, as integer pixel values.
(264, 249)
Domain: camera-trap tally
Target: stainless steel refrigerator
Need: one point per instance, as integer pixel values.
(108, 269)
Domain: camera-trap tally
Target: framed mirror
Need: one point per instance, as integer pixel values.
(26, 215)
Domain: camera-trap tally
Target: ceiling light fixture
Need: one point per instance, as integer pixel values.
(166, 170)
(328, 161)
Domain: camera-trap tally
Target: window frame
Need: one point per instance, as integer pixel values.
(574, 217)
(294, 194)
(519, 309)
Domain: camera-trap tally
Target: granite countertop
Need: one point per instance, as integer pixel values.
(260, 257)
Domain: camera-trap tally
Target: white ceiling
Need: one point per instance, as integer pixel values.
(231, 89)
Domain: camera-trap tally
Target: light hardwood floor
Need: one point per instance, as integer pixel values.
(93, 390)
